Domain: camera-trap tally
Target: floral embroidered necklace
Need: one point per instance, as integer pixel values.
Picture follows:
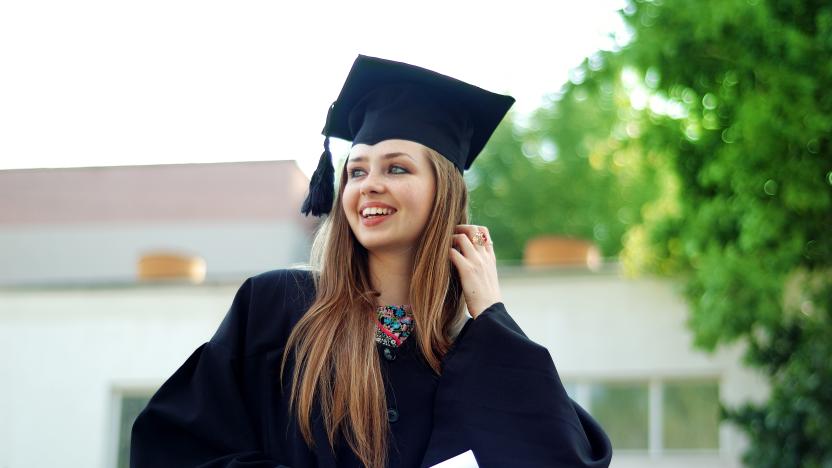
(394, 324)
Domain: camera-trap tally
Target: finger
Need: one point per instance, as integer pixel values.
(458, 261)
(469, 229)
(456, 256)
(473, 231)
(466, 246)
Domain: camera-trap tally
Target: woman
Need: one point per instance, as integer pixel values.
(369, 359)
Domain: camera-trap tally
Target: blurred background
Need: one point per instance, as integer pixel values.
(657, 196)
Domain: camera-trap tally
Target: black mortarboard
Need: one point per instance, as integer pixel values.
(383, 99)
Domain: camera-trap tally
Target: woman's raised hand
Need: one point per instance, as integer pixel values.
(473, 256)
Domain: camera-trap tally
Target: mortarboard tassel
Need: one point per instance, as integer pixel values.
(322, 185)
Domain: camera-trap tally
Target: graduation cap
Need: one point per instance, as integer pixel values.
(384, 99)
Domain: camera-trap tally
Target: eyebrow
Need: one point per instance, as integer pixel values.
(386, 156)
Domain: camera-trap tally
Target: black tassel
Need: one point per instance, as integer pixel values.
(321, 186)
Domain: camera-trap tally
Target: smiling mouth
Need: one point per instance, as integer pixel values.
(369, 213)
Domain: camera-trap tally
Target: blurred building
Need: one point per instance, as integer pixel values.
(87, 342)
(94, 224)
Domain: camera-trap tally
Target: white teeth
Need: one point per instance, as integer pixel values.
(376, 211)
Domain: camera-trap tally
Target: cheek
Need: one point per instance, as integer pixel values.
(348, 201)
(423, 198)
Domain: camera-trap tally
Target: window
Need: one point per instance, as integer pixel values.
(690, 415)
(130, 407)
(621, 409)
(653, 415)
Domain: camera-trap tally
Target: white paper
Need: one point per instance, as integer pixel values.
(463, 460)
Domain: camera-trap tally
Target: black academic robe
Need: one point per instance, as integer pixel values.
(499, 395)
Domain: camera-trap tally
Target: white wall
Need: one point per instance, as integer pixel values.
(602, 326)
(65, 351)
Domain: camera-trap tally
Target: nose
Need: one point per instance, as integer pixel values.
(372, 183)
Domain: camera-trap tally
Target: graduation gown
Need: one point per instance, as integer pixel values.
(499, 395)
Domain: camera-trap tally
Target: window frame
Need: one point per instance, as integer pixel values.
(118, 391)
(581, 388)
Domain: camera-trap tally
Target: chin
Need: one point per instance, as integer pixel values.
(390, 245)
(377, 240)
(374, 244)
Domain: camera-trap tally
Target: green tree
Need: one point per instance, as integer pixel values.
(731, 100)
(557, 173)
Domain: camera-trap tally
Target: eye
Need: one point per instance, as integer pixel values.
(352, 172)
(398, 170)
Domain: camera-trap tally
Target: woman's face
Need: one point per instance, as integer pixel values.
(388, 194)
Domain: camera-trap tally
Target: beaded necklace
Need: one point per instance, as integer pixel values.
(394, 324)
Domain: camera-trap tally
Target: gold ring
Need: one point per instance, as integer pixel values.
(479, 238)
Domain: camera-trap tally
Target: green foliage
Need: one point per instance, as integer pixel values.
(555, 174)
(701, 149)
(734, 97)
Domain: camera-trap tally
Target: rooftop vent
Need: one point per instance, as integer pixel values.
(171, 266)
(546, 251)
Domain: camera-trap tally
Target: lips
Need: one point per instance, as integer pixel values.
(375, 219)
(374, 212)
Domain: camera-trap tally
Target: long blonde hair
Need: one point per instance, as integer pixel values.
(333, 344)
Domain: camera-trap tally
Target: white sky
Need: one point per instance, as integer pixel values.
(103, 83)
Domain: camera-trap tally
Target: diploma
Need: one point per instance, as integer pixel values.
(463, 460)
